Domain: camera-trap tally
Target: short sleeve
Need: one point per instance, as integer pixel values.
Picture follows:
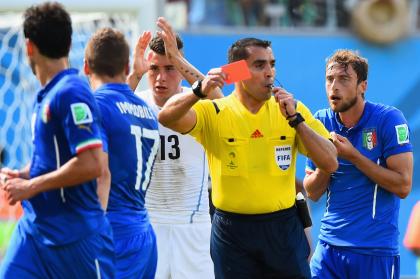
(201, 109)
(395, 133)
(103, 118)
(79, 118)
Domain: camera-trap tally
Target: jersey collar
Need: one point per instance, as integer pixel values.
(120, 87)
(54, 81)
(367, 110)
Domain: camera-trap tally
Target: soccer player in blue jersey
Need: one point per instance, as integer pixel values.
(64, 232)
(359, 230)
(131, 139)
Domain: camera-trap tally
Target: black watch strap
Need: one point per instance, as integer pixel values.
(298, 119)
(196, 89)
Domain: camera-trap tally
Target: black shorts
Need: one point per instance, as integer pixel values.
(272, 245)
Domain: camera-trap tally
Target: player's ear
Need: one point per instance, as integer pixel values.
(29, 47)
(86, 68)
(363, 86)
(127, 69)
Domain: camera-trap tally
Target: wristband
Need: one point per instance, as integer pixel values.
(299, 119)
(291, 116)
(196, 89)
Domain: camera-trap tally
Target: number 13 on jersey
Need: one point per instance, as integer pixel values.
(148, 156)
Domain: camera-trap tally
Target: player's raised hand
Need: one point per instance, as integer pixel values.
(140, 63)
(169, 38)
(344, 147)
(286, 101)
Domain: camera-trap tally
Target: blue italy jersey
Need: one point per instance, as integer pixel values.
(64, 124)
(131, 138)
(360, 214)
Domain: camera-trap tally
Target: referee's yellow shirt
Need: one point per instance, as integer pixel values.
(252, 157)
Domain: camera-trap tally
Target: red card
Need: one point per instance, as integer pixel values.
(236, 71)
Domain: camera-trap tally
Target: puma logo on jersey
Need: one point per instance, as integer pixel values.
(85, 127)
(256, 134)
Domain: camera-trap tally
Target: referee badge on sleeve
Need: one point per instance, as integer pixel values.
(283, 156)
(81, 113)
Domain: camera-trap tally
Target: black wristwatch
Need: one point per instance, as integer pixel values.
(196, 89)
(298, 119)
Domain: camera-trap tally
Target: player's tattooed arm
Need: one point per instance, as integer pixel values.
(187, 70)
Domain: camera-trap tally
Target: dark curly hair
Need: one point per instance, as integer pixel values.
(48, 26)
(158, 46)
(346, 57)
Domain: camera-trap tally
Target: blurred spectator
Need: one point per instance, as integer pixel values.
(284, 13)
(253, 12)
(343, 9)
(209, 12)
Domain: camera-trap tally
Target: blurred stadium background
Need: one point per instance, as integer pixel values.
(303, 34)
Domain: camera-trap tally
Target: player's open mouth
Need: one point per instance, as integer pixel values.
(160, 88)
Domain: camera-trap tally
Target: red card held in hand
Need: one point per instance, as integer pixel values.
(236, 71)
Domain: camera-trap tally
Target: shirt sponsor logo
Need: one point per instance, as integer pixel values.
(283, 156)
(81, 113)
(369, 139)
(256, 134)
(402, 133)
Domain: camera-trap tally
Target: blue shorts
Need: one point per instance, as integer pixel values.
(136, 255)
(335, 262)
(272, 245)
(90, 257)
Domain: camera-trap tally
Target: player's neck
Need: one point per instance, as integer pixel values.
(352, 116)
(97, 81)
(47, 69)
(160, 100)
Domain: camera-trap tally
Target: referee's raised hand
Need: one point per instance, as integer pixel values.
(286, 101)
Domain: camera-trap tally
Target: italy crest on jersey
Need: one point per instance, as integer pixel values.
(369, 139)
(283, 156)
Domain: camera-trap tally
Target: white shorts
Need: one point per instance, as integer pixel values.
(183, 251)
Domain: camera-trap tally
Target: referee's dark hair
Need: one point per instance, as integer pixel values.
(48, 26)
(239, 51)
(107, 53)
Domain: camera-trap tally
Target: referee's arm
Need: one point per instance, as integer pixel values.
(316, 183)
